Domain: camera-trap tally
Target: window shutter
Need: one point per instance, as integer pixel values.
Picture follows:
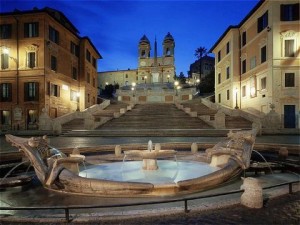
(296, 11)
(36, 97)
(9, 92)
(282, 12)
(26, 91)
(1, 94)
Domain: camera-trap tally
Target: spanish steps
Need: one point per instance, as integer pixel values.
(154, 119)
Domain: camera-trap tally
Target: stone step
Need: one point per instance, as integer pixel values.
(150, 133)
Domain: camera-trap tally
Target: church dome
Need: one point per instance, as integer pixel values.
(168, 37)
(144, 39)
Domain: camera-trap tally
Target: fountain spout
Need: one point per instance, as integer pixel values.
(150, 146)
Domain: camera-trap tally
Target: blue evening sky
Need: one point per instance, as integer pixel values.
(115, 27)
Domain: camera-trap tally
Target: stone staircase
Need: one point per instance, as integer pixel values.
(109, 112)
(231, 122)
(155, 116)
(75, 124)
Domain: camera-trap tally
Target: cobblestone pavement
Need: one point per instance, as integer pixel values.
(280, 210)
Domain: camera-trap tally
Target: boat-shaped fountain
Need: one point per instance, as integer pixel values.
(148, 176)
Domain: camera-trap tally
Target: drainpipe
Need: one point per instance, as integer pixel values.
(240, 55)
(17, 61)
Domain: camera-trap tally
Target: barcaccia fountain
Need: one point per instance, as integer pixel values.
(151, 173)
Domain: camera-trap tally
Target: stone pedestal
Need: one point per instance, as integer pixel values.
(194, 147)
(150, 164)
(283, 153)
(220, 120)
(118, 150)
(252, 196)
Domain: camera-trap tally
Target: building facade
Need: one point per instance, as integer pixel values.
(45, 65)
(206, 64)
(257, 62)
(151, 69)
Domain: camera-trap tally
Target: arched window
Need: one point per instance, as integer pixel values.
(168, 52)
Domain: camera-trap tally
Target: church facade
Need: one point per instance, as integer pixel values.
(151, 68)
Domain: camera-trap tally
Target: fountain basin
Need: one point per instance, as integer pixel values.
(169, 171)
(55, 174)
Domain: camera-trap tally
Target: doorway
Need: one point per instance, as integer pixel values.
(289, 116)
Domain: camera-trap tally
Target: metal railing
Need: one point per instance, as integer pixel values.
(184, 200)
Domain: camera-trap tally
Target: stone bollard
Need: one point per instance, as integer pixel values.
(118, 150)
(283, 153)
(157, 147)
(194, 147)
(252, 196)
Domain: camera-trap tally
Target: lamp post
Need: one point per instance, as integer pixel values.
(168, 78)
(176, 83)
(145, 79)
(236, 98)
(132, 88)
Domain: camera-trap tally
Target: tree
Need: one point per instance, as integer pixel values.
(181, 78)
(207, 84)
(200, 53)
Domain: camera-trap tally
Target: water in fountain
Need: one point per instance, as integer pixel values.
(168, 171)
(9, 172)
(263, 159)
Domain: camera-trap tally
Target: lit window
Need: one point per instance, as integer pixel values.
(55, 90)
(31, 91)
(73, 95)
(263, 83)
(4, 61)
(31, 59)
(253, 62)
(6, 92)
(244, 91)
(5, 117)
(31, 30)
(289, 48)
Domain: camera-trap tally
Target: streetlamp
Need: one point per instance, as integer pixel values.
(176, 83)
(168, 77)
(197, 85)
(145, 79)
(78, 95)
(132, 88)
(236, 98)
